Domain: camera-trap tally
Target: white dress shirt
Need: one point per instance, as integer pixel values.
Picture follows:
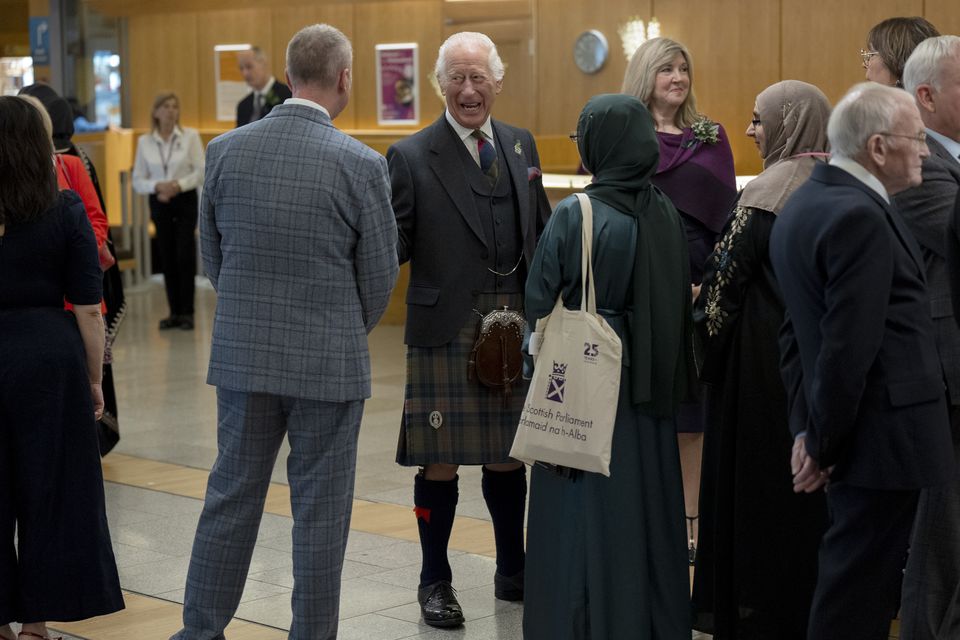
(307, 103)
(180, 158)
(465, 134)
(857, 170)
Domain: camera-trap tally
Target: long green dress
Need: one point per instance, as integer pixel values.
(606, 558)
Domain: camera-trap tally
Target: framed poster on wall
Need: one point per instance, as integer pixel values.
(231, 87)
(397, 84)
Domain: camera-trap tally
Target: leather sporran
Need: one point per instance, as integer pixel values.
(496, 360)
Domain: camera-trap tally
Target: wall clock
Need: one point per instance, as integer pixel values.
(590, 51)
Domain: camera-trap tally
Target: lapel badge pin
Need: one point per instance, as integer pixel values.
(517, 149)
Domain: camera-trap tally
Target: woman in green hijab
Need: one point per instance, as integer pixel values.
(606, 558)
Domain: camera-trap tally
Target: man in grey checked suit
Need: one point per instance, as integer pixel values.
(931, 588)
(299, 241)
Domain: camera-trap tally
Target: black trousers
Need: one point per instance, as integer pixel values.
(861, 562)
(176, 223)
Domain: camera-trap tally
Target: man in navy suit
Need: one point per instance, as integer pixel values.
(931, 584)
(266, 92)
(470, 204)
(859, 360)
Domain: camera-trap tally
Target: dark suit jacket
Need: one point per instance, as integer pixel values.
(859, 359)
(953, 259)
(278, 93)
(439, 228)
(927, 210)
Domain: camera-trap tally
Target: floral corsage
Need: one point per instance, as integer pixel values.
(704, 130)
(271, 99)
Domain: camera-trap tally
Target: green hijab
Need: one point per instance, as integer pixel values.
(618, 145)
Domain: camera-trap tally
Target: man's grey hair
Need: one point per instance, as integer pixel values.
(468, 39)
(926, 62)
(317, 54)
(258, 53)
(867, 109)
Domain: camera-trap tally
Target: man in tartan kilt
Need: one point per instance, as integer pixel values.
(470, 205)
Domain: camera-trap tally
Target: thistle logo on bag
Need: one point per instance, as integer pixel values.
(557, 381)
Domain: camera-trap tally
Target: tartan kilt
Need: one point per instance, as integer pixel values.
(475, 425)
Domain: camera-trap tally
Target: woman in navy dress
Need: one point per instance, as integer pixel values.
(61, 566)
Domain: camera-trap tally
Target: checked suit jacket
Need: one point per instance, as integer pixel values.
(440, 230)
(299, 241)
(927, 210)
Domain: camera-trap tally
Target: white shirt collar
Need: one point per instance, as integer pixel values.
(465, 132)
(951, 145)
(858, 171)
(307, 103)
(266, 87)
(177, 132)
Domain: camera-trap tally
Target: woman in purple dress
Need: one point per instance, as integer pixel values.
(696, 172)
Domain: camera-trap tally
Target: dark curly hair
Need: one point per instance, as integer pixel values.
(28, 180)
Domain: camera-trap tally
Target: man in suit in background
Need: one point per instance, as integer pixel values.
(859, 358)
(931, 584)
(470, 205)
(265, 91)
(299, 241)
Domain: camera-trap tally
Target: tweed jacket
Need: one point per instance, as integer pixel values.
(859, 360)
(440, 230)
(299, 241)
(927, 210)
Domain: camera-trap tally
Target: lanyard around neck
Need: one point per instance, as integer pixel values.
(165, 158)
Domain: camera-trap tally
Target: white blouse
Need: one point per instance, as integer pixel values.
(180, 159)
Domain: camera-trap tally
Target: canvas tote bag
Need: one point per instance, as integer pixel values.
(571, 404)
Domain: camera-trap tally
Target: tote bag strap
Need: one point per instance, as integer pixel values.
(588, 294)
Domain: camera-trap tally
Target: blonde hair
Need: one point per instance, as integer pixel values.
(640, 78)
(47, 122)
(159, 100)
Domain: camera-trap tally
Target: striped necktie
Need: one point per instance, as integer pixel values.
(488, 156)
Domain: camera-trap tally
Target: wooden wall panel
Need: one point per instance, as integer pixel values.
(286, 21)
(392, 22)
(735, 46)
(563, 88)
(944, 14)
(164, 56)
(825, 52)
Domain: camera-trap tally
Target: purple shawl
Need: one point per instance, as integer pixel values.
(697, 176)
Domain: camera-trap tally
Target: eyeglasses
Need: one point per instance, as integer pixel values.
(866, 55)
(574, 137)
(920, 138)
(755, 122)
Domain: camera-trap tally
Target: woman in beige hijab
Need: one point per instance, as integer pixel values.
(757, 559)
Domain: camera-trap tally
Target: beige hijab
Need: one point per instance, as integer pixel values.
(794, 117)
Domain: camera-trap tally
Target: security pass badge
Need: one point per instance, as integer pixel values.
(436, 419)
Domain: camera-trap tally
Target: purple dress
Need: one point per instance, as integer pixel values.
(699, 178)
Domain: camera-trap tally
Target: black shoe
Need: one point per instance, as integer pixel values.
(170, 323)
(692, 549)
(509, 588)
(439, 606)
(186, 322)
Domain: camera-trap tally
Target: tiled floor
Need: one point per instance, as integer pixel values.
(167, 413)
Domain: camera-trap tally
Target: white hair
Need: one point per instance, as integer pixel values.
(469, 39)
(867, 109)
(926, 62)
